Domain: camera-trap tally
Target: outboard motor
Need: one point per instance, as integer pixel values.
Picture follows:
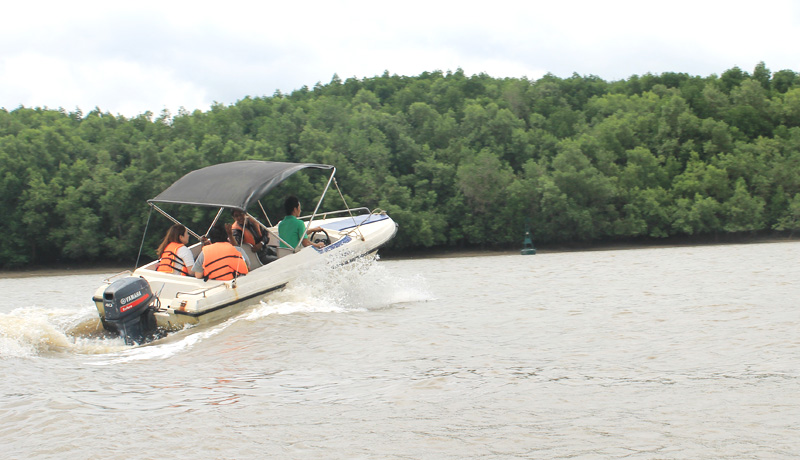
(128, 310)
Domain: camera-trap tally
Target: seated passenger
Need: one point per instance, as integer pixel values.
(293, 230)
(247, 230)
(220, 260)
(175, 257)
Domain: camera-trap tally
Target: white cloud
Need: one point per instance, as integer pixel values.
(131, 57)
(53, 82)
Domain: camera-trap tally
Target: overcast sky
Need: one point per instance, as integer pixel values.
(130, 57)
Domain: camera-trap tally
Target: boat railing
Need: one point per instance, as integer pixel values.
(357, 227)
(203, 291)
(124, 272)
(197, 291)
(324, 215)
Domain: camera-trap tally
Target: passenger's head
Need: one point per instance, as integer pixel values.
(175, 234)
(238, 215)
(217, 234)
(290, 204)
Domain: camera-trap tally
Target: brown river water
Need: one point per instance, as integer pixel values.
(663, 353)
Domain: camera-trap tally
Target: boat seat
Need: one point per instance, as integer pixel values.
(282, 252)
(253, 260)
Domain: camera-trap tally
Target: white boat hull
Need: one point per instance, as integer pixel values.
(185, 300)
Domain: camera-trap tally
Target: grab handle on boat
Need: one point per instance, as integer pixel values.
(108, 280)
(198, 291)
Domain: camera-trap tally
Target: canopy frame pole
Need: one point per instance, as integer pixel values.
(347, 207)
(174, 220)
(149, 215)
(260, 224)
(319, 203)
(294, 250)
(240, 241)
(216, 218)
(265, 214)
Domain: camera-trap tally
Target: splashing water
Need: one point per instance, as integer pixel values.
(31, 331)
(340, 286)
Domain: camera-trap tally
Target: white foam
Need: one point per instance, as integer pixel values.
(360, 285)
(33, 331)
(363, 284)
(162, 349)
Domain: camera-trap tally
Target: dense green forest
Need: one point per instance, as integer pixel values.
(457, 160)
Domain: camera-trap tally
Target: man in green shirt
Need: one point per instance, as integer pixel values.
(292, 230)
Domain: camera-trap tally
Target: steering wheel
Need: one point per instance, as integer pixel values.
(325, 239)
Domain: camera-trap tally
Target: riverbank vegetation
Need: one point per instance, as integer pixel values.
(458, 161)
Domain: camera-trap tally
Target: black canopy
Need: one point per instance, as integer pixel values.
(231, 185)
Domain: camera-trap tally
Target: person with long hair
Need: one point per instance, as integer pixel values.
(175, 256)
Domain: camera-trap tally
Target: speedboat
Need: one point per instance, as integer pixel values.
(146, 304)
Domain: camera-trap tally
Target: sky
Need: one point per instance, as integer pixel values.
(127, 58)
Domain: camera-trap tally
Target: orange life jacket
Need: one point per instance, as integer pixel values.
(170, 260)
(221, 261)
(247, 235)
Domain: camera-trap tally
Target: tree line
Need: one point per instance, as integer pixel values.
(456, 160)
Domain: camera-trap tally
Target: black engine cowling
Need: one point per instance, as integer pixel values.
(129, 311)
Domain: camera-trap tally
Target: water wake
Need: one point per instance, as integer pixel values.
(360, 285)
(355, 286)
(32, 331)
